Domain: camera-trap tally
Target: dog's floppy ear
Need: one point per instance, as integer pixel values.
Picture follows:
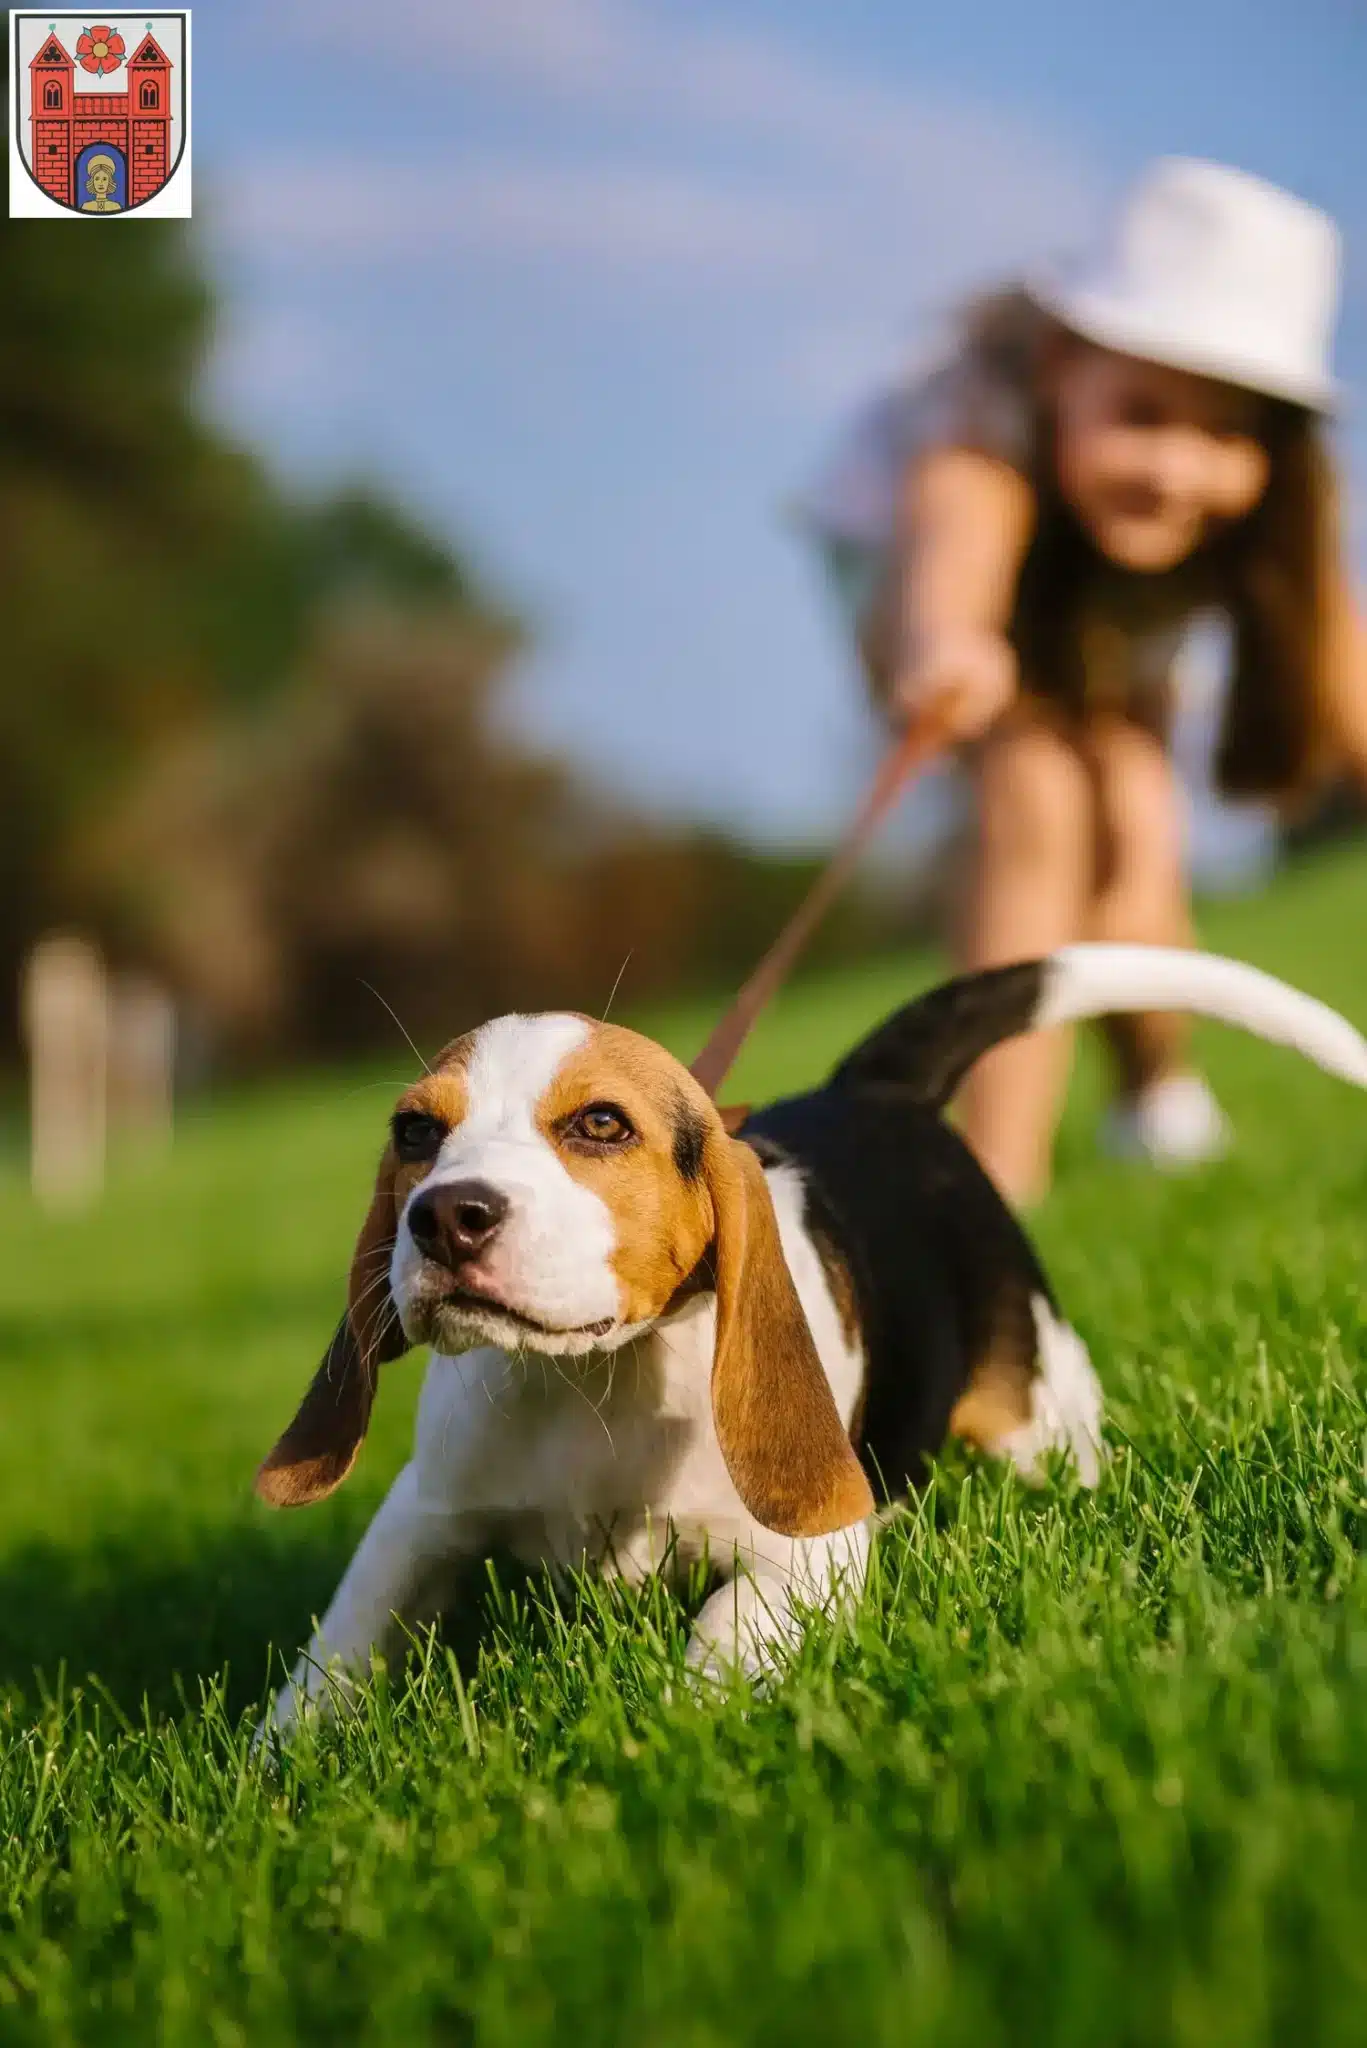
(319, 1448)
(789, 1456)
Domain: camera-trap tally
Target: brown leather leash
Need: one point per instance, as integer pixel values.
(911, 754)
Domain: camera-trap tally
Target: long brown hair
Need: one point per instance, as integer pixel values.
(1272, 575)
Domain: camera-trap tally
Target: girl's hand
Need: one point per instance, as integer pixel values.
(965, 679)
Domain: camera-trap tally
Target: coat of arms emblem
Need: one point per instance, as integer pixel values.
(100, 126)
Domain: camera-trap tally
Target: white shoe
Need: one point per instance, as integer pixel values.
(1175, 1123)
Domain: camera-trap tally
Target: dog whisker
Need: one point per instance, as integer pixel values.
(573, 1383)
(615, 986)
(368, 1087)
(399, 1021)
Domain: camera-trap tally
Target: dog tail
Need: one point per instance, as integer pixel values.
(927, 1047)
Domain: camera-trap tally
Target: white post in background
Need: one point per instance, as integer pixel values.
(142, 1062)
(66, 1023)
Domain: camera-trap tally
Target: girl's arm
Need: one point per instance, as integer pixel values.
(939, 635)
(1344, 685)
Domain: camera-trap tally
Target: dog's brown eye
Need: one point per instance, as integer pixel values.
(601, 1124)
(417, 1136)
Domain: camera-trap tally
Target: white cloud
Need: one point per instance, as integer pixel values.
(608, 213)
(936, 157)
(575, 47)
(645, 147)
(892, 198)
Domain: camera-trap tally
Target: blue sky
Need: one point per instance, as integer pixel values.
(592, 283)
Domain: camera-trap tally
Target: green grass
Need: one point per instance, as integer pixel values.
(1082, 1770)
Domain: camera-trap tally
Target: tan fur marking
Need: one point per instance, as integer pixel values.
(444, 1092)
(996, 1403)
(320, 1446)
(780, 1432)
(663, 1222)
(998, 1398)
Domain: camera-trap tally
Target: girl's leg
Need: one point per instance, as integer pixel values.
(1166, 1114)
(1030, 891)
(1141, 894)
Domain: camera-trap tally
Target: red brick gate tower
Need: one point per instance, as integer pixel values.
(136, 121)
(53, 75)
(149, 120)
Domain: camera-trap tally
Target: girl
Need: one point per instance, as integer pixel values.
(1023, 540)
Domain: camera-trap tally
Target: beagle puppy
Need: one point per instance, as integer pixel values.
(655, 1337)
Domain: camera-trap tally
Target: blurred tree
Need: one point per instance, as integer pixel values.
(373, 841)
(296, 559)
(359, 828)
(106, 492)
(151, 575)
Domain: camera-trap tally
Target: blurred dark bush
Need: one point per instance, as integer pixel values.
(258, 742)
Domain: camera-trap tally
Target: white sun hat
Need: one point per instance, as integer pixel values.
(1210, 269)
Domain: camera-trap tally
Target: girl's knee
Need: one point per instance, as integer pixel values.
(1035, 799)
(1141, 814)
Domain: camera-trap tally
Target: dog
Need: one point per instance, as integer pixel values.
(663, 1333)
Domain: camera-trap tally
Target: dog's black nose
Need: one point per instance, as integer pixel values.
(451, 1223)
